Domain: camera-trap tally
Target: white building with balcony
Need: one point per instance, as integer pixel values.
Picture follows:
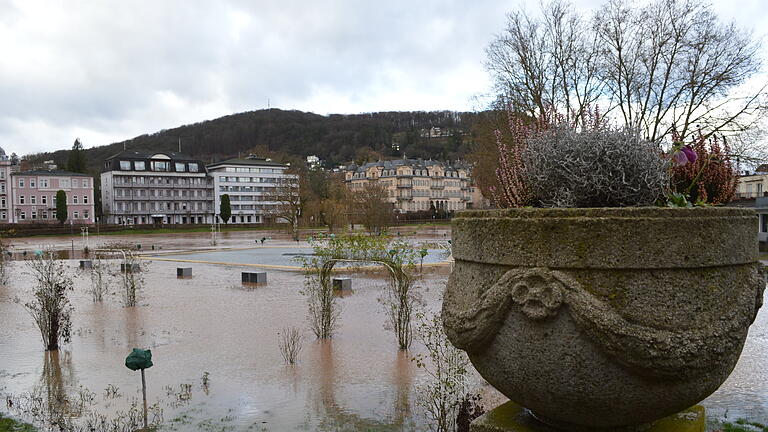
(155, 188)
(251, 184)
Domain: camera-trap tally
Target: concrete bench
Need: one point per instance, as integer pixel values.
(183, 271)
(255, 277)
(342, 284)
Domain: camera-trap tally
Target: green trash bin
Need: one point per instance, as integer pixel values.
(139, 359)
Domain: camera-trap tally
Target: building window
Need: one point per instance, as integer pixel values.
(44, 199)
(21, 199)
(85, 181)
(125, 165)
(3, 215)
(44, 183)
(764, 223)
(137, 165)
(193, 167)
(23, 215)
(33, 199)
(180, 167)
(45, 215)
(85, 199)
(34, 214)
(74, 183)
(74, 199)
(21, 182)
(76, 215)
(161, 166)
(85, 214)
(32, 183)
(53, 214)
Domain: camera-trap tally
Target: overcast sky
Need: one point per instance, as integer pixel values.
(106, 71)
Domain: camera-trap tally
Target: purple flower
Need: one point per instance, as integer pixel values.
(680, 158)
(690, 155)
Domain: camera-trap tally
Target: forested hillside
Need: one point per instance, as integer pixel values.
(334, 138)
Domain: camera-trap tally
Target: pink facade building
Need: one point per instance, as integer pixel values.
(5, 187)
(33, 196)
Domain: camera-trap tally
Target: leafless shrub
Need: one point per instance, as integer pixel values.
(5, 262)
(99, 275)
(447, 368)
(131, 279)
(50, 306)
(598, 167)
(289, 341)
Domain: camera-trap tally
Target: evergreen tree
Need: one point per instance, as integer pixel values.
(225, 210)
(61, 206)
(76, 161)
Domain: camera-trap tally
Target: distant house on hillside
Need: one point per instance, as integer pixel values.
(416, 185)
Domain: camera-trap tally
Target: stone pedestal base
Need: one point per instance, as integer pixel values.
(511, 417)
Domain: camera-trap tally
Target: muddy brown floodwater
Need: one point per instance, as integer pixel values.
(211, 323)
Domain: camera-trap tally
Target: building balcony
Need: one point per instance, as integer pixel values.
(749, 195)
(404, 198)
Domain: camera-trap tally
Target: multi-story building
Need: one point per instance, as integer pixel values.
(33, 196)
(415, 184)
(252, 184)
(6, 168)
(156, 188)
(752, 185)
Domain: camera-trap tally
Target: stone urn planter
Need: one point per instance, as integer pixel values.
(604, 318)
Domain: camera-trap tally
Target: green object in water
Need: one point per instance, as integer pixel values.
(139, 359)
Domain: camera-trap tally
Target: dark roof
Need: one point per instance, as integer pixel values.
(414, 163)
(51, 173)
(128, 154)
(247, 161)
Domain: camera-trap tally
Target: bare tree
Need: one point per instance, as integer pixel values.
(546, 63)
(373, 208)
(288, 204)
(50, 306)
(670, 64)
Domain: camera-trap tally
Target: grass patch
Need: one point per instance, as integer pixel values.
(742, 425)
(11, 425)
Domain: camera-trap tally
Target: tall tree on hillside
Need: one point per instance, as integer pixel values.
(61, 206)
(225, 208)
(76, 161)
